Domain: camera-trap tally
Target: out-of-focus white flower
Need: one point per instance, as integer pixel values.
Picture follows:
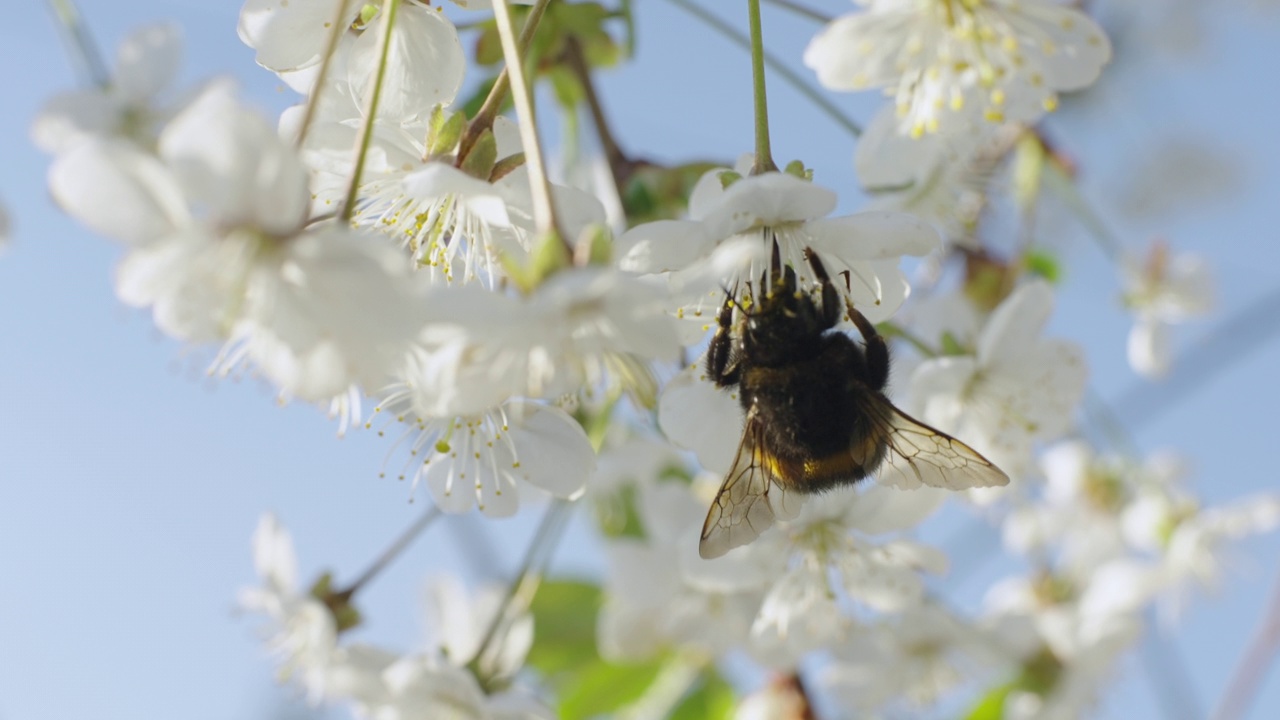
(1162, 290)
(1190, 541)
(300, 631)
(425, 686)
(1069, 647)
(128, 107)
(944, 179)
(1080, 512)
(1016, 388)
(220, 251)
(794, 565)
(650, 603)
(999, 60)
(579, 328)
(458, 620)
(867, 246)
(918, 656)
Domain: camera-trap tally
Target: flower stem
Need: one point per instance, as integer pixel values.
(498, 93)
(543, 210)
(393, 551)
(1257, 659)
(524, 586)
(792, 78)
(336, 30)
(620, 166)
(83, 48)
(764, 154)
(389, 8)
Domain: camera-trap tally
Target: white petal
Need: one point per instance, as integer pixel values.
(69, 118)
(118, 191)
(662, 246)
(424, 66)
(873, 235)
(1150, 354)
(551, 447)
(766, 200)
(230, 160)
(886, 158)
(696, 415)
(289, 35)
(1014, 324)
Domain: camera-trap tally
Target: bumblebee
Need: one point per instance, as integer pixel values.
(816, 414)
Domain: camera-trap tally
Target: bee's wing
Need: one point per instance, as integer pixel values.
(917, 454)
(750, 498)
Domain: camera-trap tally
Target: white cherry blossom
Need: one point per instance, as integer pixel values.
(129, 107)
(1016, 388)
(300, 630)
(998, 60)
(477, 460)
(782, 207)
(1163, 289)
(220, 251)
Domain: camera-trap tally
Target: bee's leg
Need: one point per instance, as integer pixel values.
(830, 296)
(722, 366)
(876, 349)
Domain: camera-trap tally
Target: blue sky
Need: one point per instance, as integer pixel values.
(130, 484)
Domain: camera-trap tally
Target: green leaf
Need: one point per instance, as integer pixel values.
(564, 617)
(991, 705)
(1042, 263)
(712, 699)
(601, 688)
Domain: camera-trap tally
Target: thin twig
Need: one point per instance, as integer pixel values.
(1254, 664)
(524, 585)
(498, 93)
(1171, 680)
(393, 551)
(81, 41)
(620, 166)
(1230, 342)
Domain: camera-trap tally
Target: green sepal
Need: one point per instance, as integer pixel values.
(367, 13)
(728, 178)
(345, 615)
(596, 243)
(951, 345)
(444, 132)
(482, 157)
(796, 168)
(506, 166)
(1028, 168)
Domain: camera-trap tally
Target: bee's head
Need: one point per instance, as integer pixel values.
(783, 326)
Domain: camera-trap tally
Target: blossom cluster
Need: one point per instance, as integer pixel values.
(509, 362)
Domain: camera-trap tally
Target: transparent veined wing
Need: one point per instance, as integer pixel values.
(917, 454)
(750, 499)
